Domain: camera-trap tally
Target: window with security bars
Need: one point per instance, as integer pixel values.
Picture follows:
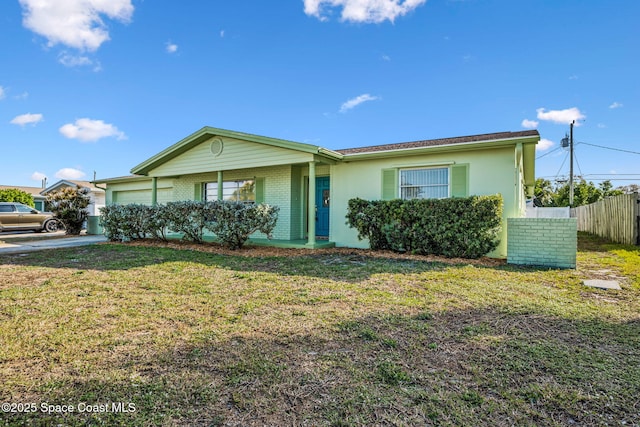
(430, 183)
(237, 191)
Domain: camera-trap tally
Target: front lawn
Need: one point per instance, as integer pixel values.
(143, 335)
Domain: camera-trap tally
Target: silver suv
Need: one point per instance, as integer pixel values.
(16, 216)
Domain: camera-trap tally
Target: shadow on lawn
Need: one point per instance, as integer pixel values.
(461, 367)
(592, 243)
(349, 265)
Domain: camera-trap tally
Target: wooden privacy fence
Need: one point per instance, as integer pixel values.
(616, 218)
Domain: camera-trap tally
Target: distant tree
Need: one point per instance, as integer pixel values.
(544, 193)
(18, 196)
(69, 206)
(585, 193)
(629, 189)
(606, 187)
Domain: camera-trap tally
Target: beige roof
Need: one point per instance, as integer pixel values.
(34, 191)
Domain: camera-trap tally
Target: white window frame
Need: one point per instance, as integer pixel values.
(401, 186)
(213, 195)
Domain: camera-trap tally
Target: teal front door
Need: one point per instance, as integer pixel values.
(322, 206)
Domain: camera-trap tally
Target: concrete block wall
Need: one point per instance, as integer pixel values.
(548, 242)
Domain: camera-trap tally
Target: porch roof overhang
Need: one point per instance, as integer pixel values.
(206, 133)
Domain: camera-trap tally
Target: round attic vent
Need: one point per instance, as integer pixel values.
(216, 147)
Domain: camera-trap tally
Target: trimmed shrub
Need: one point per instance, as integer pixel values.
(231, 222)
(457, 227)
(112, 217)
(189, 218)
(234, 222)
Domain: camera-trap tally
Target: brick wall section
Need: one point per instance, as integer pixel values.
(548, 242)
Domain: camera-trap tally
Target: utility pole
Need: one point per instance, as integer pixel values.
(571, 166)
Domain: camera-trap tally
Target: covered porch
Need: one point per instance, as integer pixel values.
(293, 176)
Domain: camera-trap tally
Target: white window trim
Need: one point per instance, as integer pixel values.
(204, 188)
(448, 168)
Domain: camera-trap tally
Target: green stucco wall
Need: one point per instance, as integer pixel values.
(549, 242)
(490, 171)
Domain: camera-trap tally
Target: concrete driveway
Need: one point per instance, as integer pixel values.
(27, 241)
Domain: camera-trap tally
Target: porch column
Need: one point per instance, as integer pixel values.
(311, 220)
(220, 184)
(154, 191)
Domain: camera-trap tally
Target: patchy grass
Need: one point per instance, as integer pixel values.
(335, 337)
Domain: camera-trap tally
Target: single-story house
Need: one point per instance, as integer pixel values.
(38, 198)
(97, 196)
(312, 185)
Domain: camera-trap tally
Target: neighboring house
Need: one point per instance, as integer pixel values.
(312, 185)
(38, 198)
(96, 194)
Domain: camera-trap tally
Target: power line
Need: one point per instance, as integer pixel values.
(578, 163)
(563, 162)
(546, 154)
(609, 148)
(613, 174)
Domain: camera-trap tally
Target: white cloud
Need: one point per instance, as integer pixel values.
(74, 60)
(75, 23)
(354, 102)
(2, 93)
(601, 126)
(87, 130)
(529, 124)
(38, 176)
(69, 173)
(386, 58)
(22, 96)
(368, 11)
(172, 47)
(615, 105)
(544, 144)
(221, 34)
(563, 117)
(27, 119)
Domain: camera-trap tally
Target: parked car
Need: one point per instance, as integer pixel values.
(16, 216)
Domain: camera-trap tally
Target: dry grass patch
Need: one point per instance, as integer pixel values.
(328, 337)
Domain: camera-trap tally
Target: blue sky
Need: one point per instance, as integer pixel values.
(94, 85)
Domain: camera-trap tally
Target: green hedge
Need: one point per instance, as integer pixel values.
(459, 227)
(231, 222)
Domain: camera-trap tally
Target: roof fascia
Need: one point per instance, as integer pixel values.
(58, 185)
(121, 179)
(475, 145)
